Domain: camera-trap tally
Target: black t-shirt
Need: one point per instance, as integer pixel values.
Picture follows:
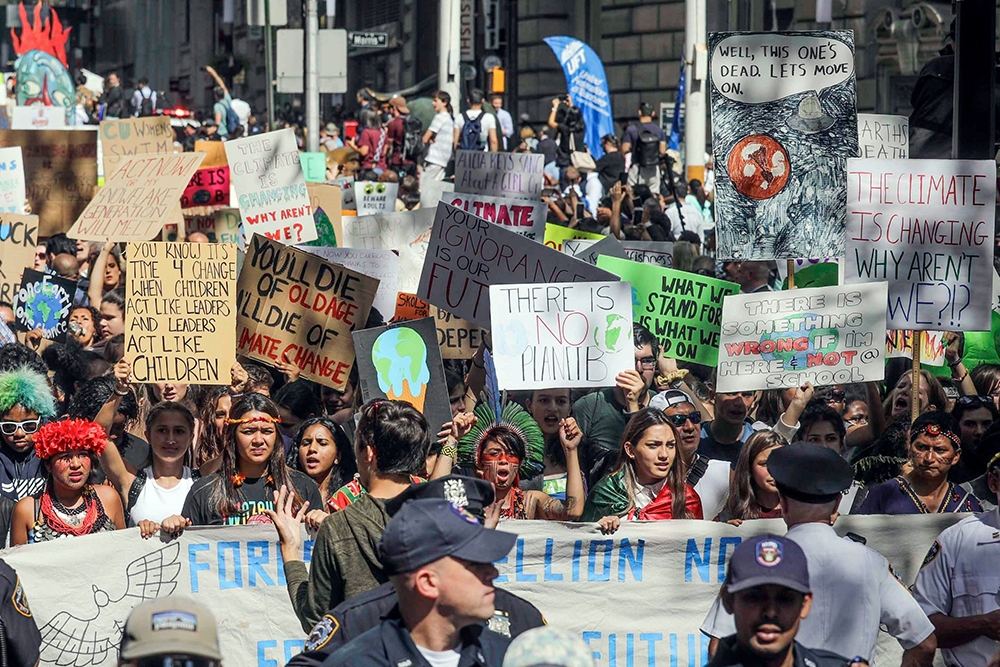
(257, 493)
(579, 143)
(547, 147)
(21, 632)
(608, 169)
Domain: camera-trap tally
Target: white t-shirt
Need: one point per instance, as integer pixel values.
(156, 503)
(693, 220)
(440, 658)
(443, 128)
(489, 123)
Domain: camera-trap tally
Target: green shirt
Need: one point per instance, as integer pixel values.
(602, 418)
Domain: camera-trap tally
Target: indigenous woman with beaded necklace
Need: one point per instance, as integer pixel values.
(69, 505)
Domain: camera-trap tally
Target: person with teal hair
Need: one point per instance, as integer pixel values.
(25, 401)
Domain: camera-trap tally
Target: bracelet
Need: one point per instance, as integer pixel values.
(121, 392)
(450, 451)
(961, 379)
(954, 363)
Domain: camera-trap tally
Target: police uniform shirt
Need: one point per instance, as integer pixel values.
(23, 639)
(729, 655)
(854, 591)
(961, 577)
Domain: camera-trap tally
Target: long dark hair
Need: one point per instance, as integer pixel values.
(446, 98)
(341, 472)
(744, 499)
(634, 430)
(209, 443)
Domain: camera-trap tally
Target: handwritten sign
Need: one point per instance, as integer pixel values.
(589, 250)
(683, 310)
(12, 190)
(511, 175)
(44, 302)
(271, 191)
(134, 136)
(883, 136)
(327, 197)
(180, 324)
(822, 335)
(18, 238)
(207, 187)
(926, 227)
(899, 344)
(313, 166)
(457, 338)
(377, 263)
(555, 235)
(409, 307)
(522, 216)
(295, 306)
(372, 197)
(227, 225)
(386, 230)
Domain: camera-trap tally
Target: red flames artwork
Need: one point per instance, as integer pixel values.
(49, 36)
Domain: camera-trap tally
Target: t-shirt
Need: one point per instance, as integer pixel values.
(489, 122)
(258, 496)
(221, 107)
(548, 148)
(609, 168)
(153, 502)
(717, 451)
(397, 134)
(378, 145)
(448, 658)
(632, 136)
(443, 128)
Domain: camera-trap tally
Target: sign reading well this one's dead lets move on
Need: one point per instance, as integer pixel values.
(296, 307)
(180, 313)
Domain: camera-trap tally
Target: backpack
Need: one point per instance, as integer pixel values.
(413, 142)
(146, 107)
(471, 136)
(232, 119)
(648, 148)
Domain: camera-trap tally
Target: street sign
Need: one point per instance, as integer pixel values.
(331, 51)
(368, 40)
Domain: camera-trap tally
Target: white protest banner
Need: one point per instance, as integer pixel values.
(270, 188)
(12, 192)
(926, 227)
(386, 230)
(508, 175)
(590, 249)
(374, 263)
(375, 197)
(823, 335)
(561, 335)
(883, 136)
(899, 345)
(467, 255)
(522, 216)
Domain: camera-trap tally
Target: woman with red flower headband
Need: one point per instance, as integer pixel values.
(69, 505)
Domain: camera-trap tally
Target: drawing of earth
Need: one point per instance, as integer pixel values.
(610, 336)
(794, 359)
(45, 308)
(510, 338)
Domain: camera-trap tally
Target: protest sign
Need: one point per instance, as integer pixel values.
(561, 334)
(39, 117)
(522, 216)
(657, 253)
(589, 250)
(60, 168)
(313, 166)
(346, 185)
(135, 136)
(467, 255)
(327, 197)
(215, 154)
(138, 198)
(406, 232)
(883, 136)
(899, 345)
(683, 310)
(18, 238)
(409, 307)
(822, 335)
(227, 225)
(12, 191)
(926, 227)
(377, 263)
(372, 197)
(180, 313)
(295, 306)
(508, 175)
(207, 187)
(44, 302)
(402, 362)
(555, 235)
(270, 189)
(813, 272)
(784, 121)
(457, 338)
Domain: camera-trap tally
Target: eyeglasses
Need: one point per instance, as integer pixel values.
(28, 426)
(647, 363)
(975, 399)
(679, 419)
(834, 397)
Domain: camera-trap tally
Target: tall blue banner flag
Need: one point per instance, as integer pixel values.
(588, 88)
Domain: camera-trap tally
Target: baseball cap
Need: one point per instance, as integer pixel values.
(427, 530)
(768, 559)
(171, 625)
(548, 647)
(669, 398)
(471, 493)
(400, 104)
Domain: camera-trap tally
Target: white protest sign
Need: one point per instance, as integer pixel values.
(658, 253)
(926, 227)
(899, 345)
(270, 188)
(561, 335)
(386, 230)
(509, 175)
(823, 335)
(39, 117)
(883, 136)
(590, 249)
(375, 197)
(375, 263)
(11, 180)
(432, 192)
(522, 216)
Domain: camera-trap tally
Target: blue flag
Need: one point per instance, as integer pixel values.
(588, 88)
(677, 126)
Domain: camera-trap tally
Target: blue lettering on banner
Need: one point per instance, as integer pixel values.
(521, 576)
(592, 573)
(229, 563)
(237, 580)
(587, 636)
(292, 647)
(526, 564)
(577, 547)
(598, 642)
(703, 561)
(634, 560)
(549, 575)
(194, 565)
(724, 544)
(651, 638)
(255, 563)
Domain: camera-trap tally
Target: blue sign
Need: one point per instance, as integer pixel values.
(588, 88)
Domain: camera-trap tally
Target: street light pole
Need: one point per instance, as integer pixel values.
(269, 64)
(694, 102)
(312, 77)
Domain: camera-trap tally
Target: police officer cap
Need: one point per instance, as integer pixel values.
(768, 559)
(809, 473)
(470, 493)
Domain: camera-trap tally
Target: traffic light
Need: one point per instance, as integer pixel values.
(497, 80)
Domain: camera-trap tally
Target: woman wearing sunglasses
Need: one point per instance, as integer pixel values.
(25, 399)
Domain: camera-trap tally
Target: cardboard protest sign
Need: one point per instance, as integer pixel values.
(562, 334)
(883, 136)
(327, 197)
(508, 175)
(822, 335)
(784, 121)
(899, 344)
(683, 310)
(138, 199)
(378, 263)
(926, 227)
(215, 154)
(44, 302)
(402, 362)
(555, 235)
(12, 192)
(271, 191)
(18, 238)
(522, 216)
(207, 187)
(313, 166)
(295, 306)
(60, 169)
(372, 197)
(457, 338)
(467, 255)
(135, 136)
(180, 315)
(227, 225)
(589, 249)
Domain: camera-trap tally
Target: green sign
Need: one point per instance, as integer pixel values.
(556, 234)
(683, 310)
(313, 166)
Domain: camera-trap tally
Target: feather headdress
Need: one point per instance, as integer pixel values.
(28, 389)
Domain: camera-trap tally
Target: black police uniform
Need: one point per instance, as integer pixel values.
(20, 634)
(351, 618)
(729, 655)
(389, 645)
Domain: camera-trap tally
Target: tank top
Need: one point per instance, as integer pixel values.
(147, 500)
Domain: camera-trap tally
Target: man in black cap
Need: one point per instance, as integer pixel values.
(854, 587)
(767, 592)
(440, 561)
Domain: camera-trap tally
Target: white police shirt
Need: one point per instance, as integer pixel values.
(854, 591)
(961, 577)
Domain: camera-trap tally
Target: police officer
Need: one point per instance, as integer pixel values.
(513, 616)
(767, 592)
(958, 582)
(171, 630)
(18, 633)
(854, 588)
(440, 561)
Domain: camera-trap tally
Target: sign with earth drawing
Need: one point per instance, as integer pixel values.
(44, 302)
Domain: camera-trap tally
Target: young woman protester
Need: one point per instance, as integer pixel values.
(84, 326)
(107, 272)
(752, 492)
(212, 425)
(25, 400)
(322, 451)
(69, 505)
(648, 480)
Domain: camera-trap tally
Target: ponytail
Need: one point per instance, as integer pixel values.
(446, 98)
